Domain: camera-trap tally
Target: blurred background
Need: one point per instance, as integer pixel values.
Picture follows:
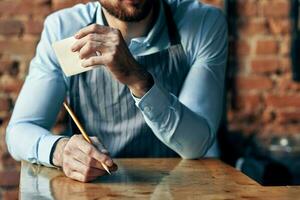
(261, 126)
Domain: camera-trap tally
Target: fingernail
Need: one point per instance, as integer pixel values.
(109, 163)
(76, 35)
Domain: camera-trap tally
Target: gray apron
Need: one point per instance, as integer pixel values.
(107, 110)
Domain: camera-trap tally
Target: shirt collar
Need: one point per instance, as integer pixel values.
(156, 40)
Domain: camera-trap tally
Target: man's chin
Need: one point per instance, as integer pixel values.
(128, 10)
(132, 2)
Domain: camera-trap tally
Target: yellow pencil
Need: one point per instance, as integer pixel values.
(84, 134)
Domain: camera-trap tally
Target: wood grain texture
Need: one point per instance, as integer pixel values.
(152, 179)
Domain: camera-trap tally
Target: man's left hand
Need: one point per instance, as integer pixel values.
(114, 54)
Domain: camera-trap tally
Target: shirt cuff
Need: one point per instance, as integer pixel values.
(45, 147)
(153, 102)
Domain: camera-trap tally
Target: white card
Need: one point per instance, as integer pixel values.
(69, 61)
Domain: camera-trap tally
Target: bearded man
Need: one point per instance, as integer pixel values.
(159, 93)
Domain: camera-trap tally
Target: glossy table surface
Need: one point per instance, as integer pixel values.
(151, 179)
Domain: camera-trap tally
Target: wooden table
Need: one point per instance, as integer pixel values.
(151, 179)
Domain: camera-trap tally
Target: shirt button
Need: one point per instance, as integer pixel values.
(147, 109)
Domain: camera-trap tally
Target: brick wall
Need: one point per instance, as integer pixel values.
(263, 98)
(266, 99)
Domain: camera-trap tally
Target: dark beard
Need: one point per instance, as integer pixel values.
(118, 11)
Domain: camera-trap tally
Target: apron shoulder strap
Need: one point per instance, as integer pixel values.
(94, 19)
(172, 28)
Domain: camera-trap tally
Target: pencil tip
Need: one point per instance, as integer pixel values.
(106, 168)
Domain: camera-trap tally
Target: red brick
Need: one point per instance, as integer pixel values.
(10, 84)
(285, 83)
(25, 48)
(250, 27)
(268, 115)
(59, 4)
(279, 26)
(266, 46)
(245, 127)
(265, 65)
(247, 8)
(285, 46)
(10, 27)
(254, 83)
(276, 8)
(24, 8)
(9, 66)
(38, 1)
(9, 178)
(11, 194)
(7, 7)
(288, 116)
(4, 104)
(280, 129)
(283, 101)
(7, 161)
(5, 65)
(33, 9)
(248, 101)
(242, 47)
(34, 27)
(285, 64)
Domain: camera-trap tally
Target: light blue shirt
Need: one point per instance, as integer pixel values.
(192, 119)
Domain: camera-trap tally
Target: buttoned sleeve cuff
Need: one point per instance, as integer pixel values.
(153, 102)
(45, 147)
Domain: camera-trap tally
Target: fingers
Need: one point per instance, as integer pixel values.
(97, 60)
(86, 171)
(82, 161)
(89, 49)
(93, 152)
(106, 39)
(94, 28)
(81, 42)
(90, 162)
(86, 160)
(95, 38)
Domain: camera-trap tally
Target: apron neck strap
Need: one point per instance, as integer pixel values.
(172, 28)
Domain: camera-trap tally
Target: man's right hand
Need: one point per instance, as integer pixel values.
(81, 160)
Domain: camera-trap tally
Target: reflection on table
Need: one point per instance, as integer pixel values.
(151, 179)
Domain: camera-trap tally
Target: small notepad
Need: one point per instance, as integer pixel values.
(69, 61)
